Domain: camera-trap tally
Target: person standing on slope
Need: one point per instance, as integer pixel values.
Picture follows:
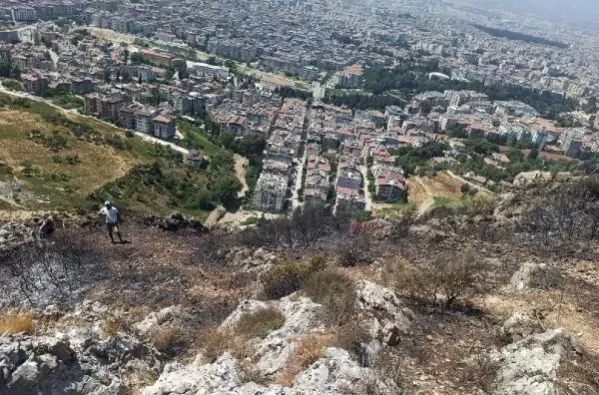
(113, 219)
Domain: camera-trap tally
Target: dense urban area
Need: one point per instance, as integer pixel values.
(299, 197)
(325, 104)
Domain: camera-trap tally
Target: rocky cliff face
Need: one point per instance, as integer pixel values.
(336, 371)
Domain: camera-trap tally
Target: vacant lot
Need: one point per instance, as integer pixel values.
(432, 192)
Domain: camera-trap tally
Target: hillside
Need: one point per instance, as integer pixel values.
(53, 160)
(471, 299)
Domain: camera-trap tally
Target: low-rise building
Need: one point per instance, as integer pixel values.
(81, 86)
(144, 120)
(195, 158)
(390, 183)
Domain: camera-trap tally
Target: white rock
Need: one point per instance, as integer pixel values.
(389, 319)
(154, 319)
(530, 365)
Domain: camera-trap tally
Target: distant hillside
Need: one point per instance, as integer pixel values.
(511, 35)
(58, 161)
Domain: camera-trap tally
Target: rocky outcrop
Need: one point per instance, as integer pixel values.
(518, 327)
(222, 376)
(534, 275)
(250, 259)
(537, 177)
(86, 365)
(154, 319)
(386, 317)
(271, 354)
(335, 373)
(530, 366)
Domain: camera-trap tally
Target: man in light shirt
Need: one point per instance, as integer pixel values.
(113, 220)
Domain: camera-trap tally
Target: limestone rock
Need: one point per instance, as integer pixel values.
(389, 319)
(79, 364)
(220, 377)
(301, 317)
(273, 352)
(533, 275)
(519, 326)
(530, 365)
(154, 319)
(336, 373)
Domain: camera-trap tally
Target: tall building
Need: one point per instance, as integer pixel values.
(539, 139)
(24, 14)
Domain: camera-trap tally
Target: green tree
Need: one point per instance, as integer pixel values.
(225, 187)
(138, 58)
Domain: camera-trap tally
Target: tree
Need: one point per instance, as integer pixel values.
(138, 58)
(156, 96)
(250, 144)
(126, 55)
(225, 187)
(232, 66)
(211, 60)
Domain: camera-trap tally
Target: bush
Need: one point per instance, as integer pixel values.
(465, 188)
(336, 292)
(447, 279)
(169, 340)
(284, 279)
(259, 323)
(214, 342)
(355, 252)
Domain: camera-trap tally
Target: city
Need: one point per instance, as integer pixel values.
(336, 96)
(299, 197)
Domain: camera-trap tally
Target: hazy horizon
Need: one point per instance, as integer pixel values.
(573, 11)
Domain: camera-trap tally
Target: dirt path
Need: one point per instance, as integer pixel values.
(420, 194)
(473, 185)
(241, 164)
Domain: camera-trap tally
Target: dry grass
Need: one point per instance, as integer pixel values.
(259, 323)
(310, 349)
(110, 328)
(17, 323)
(99, 164)
(337, 294)
(215, 341)
(169, 340)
